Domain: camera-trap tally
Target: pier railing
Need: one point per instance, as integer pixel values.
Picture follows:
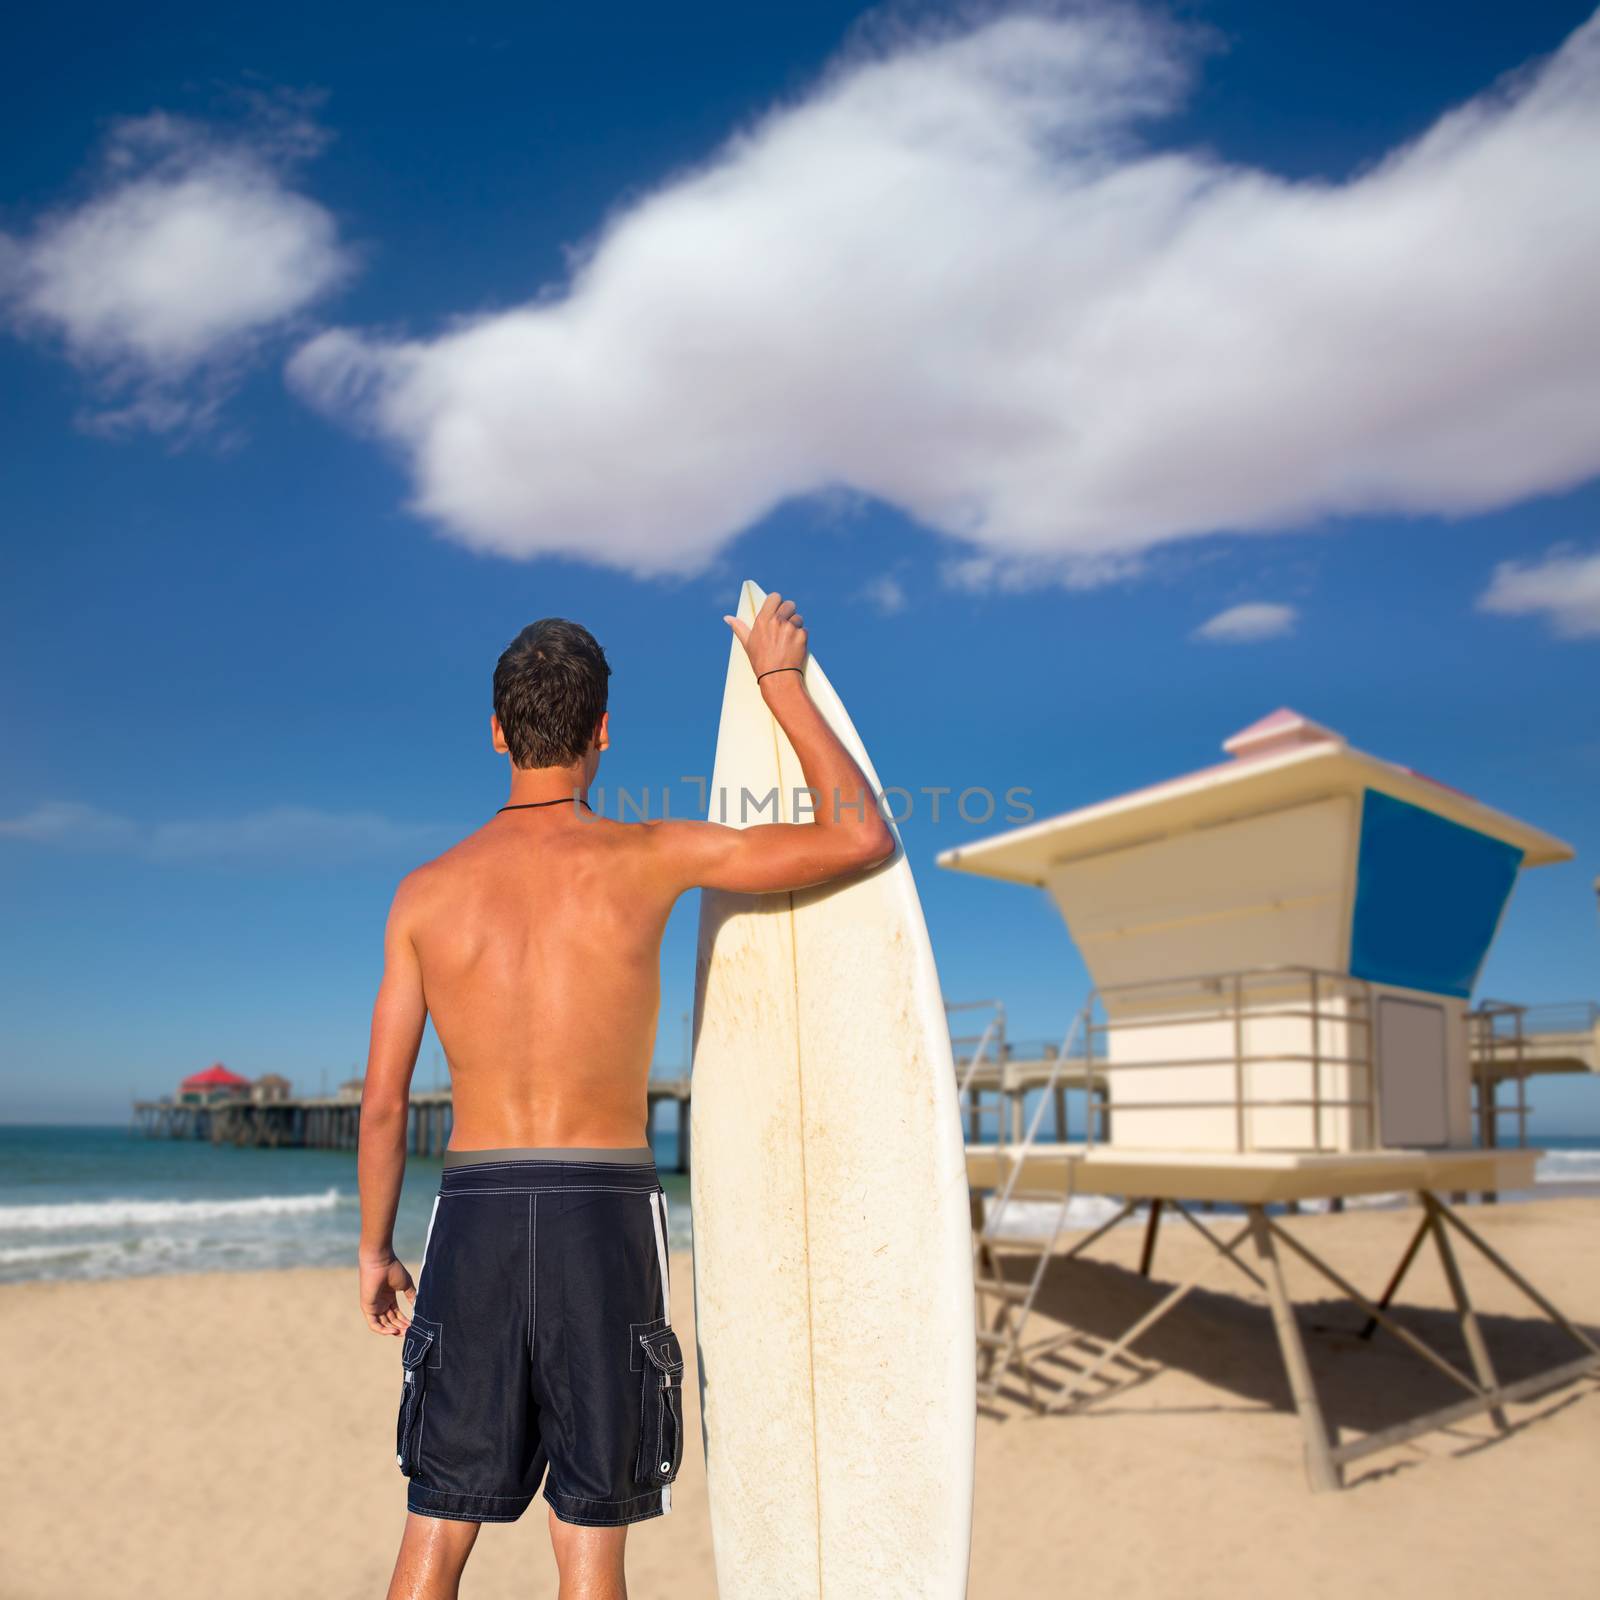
(1500, 1047)
(995, 1074)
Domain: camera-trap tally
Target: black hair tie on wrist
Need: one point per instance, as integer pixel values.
(770, 670)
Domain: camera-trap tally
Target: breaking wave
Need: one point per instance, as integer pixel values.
(80, 1214)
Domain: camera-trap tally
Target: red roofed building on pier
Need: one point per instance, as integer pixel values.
(214, 1084)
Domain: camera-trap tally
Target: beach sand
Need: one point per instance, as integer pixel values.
(231, 1436)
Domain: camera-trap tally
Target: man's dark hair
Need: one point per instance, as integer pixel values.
(550, 692)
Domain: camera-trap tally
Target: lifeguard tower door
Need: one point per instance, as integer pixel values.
(1413, 1073)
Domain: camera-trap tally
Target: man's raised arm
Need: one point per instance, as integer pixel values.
(846, 832)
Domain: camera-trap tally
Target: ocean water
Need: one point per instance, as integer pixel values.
(84, 1202)
(106, 1203)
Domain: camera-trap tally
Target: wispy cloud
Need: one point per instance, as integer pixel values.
(952, 278)
(1563, 588)
(291, 835)
(187, 250)
(1011, 574)
(887, 593)
(1249, 623)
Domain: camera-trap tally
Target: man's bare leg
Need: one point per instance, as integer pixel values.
(589, 1560)
(432, 1553)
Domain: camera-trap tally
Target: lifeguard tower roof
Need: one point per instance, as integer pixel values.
(1282, 760)
(1298, 850)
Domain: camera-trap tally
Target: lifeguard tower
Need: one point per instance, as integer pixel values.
(1283, 948)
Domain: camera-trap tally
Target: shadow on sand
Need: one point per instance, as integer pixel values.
(1227, 1341)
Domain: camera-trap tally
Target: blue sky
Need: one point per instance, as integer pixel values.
(246, 630)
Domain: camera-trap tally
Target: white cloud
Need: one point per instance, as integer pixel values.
(1564, 588)
(297, 835)
(950, 278)
(188, 249)
(887, 593)
(1249, 623)
(67, 822)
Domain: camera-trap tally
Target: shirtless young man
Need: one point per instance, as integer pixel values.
(537, 1344)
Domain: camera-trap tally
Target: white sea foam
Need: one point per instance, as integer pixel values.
(151, 1253)
(1568, 1166)
(1035, 1219)
(22, 1254)
(84, 1214)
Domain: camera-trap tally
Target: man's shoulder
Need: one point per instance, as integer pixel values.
(673, 846)
(660, 833)
(652, 845)
(438, 871)
(636, 832)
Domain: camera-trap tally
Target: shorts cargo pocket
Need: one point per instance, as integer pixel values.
(418, 1352)
(661, 1413)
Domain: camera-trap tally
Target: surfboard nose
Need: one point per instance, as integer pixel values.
(751, 594)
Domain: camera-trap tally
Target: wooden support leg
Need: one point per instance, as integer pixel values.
(1477, 1347)
(1399, 1272)
(1211, 1239)
(1355, 1296)
(683, 1136)
(1151, 1228)
(1320, 1468)
(1516, 1277)
(1128, 1208)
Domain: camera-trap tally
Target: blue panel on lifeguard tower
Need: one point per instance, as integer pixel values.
(1429, 893)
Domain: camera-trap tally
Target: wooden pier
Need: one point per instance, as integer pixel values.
(1015, 1077)
(333, 1121)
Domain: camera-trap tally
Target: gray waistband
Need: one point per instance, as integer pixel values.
(636, 1157)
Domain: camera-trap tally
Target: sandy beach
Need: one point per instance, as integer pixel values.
(230, 1435)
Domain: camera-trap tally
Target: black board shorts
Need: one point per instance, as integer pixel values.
(541, 1346)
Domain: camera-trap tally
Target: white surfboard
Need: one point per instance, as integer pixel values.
(832, 1243)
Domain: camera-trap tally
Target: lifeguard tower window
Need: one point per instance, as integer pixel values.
(1413, 1074)
(1429, 893)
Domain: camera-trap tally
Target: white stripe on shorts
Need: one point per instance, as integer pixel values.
(658, 1215)
(427, 1240)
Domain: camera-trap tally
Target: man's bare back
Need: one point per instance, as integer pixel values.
(539, 939)
(534, 945)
